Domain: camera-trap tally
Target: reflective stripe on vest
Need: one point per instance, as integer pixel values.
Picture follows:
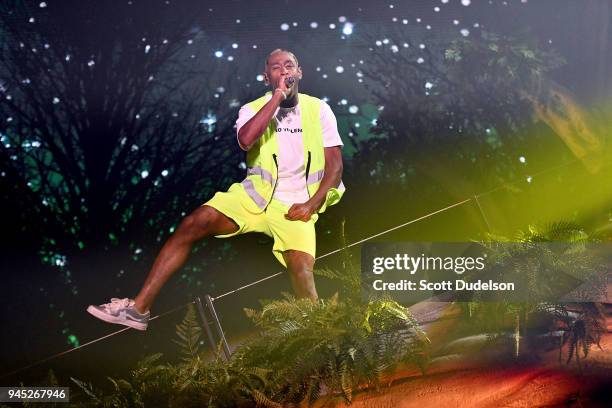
(250, 190)
(264, 174)
(315, 177)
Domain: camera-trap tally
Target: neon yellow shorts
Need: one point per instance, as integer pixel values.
(287, 235)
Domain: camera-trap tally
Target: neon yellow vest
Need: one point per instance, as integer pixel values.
(262, 158)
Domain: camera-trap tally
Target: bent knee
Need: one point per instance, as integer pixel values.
(298, 261)
(197, 225)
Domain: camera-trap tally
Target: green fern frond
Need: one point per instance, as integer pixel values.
(262, 400)
(188, 333)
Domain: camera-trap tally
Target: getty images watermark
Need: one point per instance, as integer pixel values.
(533, 272)
(422, 263)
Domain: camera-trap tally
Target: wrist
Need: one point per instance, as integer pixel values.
(316, 203)
(280, 92)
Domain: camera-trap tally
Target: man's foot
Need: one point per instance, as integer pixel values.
(121, 311)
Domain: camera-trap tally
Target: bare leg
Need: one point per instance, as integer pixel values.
(203, 222)
(300, 266)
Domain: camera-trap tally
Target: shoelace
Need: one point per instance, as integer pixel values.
(116, 304)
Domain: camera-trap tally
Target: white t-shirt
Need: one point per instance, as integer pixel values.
(291, 185)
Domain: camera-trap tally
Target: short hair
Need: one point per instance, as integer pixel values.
(281, 50)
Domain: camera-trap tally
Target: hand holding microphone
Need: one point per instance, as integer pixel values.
(284, 86)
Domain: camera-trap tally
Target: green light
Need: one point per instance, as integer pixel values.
(72, 339)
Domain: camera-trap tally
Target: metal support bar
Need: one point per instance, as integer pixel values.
(484, 217)
(209, 334)
(211, 309)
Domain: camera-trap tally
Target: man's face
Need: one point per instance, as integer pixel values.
(281, 65)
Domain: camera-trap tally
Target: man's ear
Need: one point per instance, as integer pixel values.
(266, 80)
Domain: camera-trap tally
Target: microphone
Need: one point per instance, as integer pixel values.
(289, 81)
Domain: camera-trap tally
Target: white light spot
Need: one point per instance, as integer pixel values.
(67, 57)
(404, 21)
(230, 58)
(234, 45)
(422, 46)
(31, 20)
(466, 2)
(522, 159)
(437, 9)
(353, 109)
(343, 102)
(91, 63)
(418, 20)
(342, 19)
(428, 27)
(465, 32)
(147, 49)
(56, 100)
(189, 42)
(456, 22)
(359, 74)
(165, 41)
(428, 85)
(218, 54)
(529, 179)
(339, 69)
(164, 173)
(259, 78)
(332, 26)
(324, 76)
(386, 41)
(144, 174)
(394, 48)
(237, 21)
(43, 4)
(295, 24)
(444, 1)
(254, 45)
(378, 43)
(394, 19)
(406, 45)
(314, 24)
(391, 6)
(420, 60)
(347, 29)
(284, 27)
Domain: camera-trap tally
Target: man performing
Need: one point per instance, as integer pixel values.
(294, 169)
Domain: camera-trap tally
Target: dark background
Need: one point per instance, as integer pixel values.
(117, 120)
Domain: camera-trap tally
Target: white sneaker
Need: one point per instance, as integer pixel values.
(121, 311)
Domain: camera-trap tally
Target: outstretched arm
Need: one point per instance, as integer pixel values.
(331, 179)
